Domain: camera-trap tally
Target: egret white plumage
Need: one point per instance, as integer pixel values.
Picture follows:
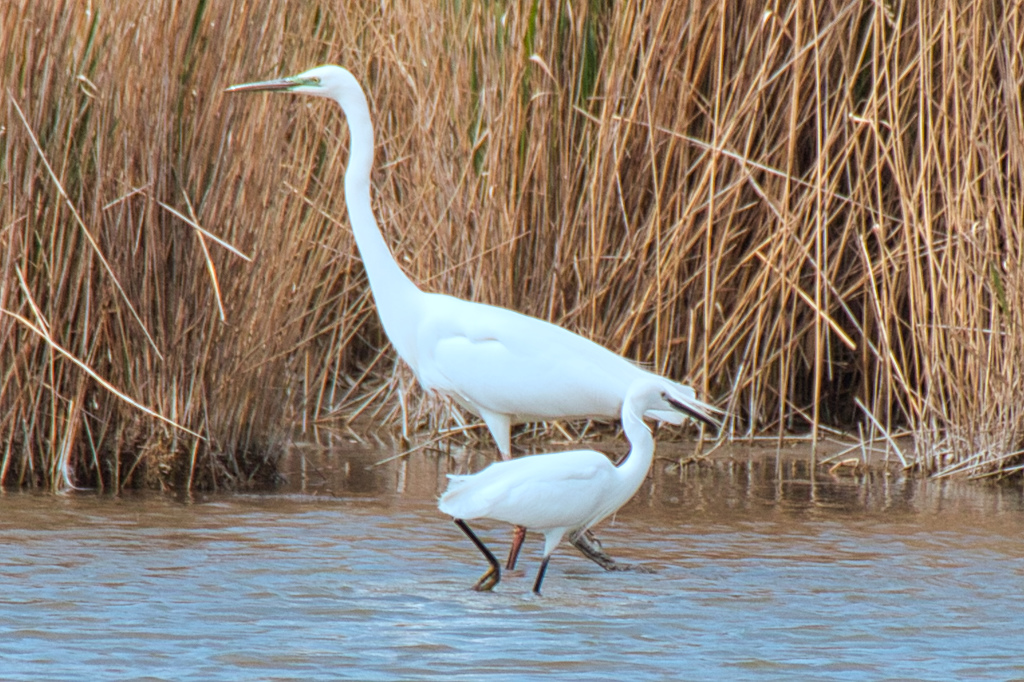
(564, 491)
(503, 366)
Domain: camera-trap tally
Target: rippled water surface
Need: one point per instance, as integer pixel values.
(765, 570)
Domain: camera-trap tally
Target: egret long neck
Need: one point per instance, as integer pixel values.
(633, 470)
(393, 292)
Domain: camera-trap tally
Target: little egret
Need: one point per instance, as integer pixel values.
(505, 367)
(563, 491)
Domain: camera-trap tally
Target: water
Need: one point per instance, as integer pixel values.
(763, 572)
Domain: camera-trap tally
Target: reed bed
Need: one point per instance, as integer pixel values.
(811, 211)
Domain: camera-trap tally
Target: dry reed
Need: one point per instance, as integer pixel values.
(809, 210)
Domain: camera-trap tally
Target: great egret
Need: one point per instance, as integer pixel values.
(505, 367)
(564, 491)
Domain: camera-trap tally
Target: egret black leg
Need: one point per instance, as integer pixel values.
(540, 574)
(518, 535)
(492, 576)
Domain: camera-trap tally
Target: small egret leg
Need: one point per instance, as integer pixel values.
(540, 574)
(590, 547)
(492, 576)
(518, 535)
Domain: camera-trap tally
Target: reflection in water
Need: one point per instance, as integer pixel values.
(766, 569)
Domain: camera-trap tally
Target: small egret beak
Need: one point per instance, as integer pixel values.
(278, 85)
(693, 414)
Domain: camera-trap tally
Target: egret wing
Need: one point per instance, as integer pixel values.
(508, 363)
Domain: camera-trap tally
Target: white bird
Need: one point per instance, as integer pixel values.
(503, 366)
(563, 491)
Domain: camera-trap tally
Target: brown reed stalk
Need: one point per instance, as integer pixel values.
(808, 210)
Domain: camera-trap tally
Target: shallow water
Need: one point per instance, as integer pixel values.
(763, 572)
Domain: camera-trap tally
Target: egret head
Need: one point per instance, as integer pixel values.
(323, 81)
(655, 394)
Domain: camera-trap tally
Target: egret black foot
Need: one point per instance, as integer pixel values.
(488, 580)
(590, 547)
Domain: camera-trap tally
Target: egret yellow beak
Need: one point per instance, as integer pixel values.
(278, 85)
